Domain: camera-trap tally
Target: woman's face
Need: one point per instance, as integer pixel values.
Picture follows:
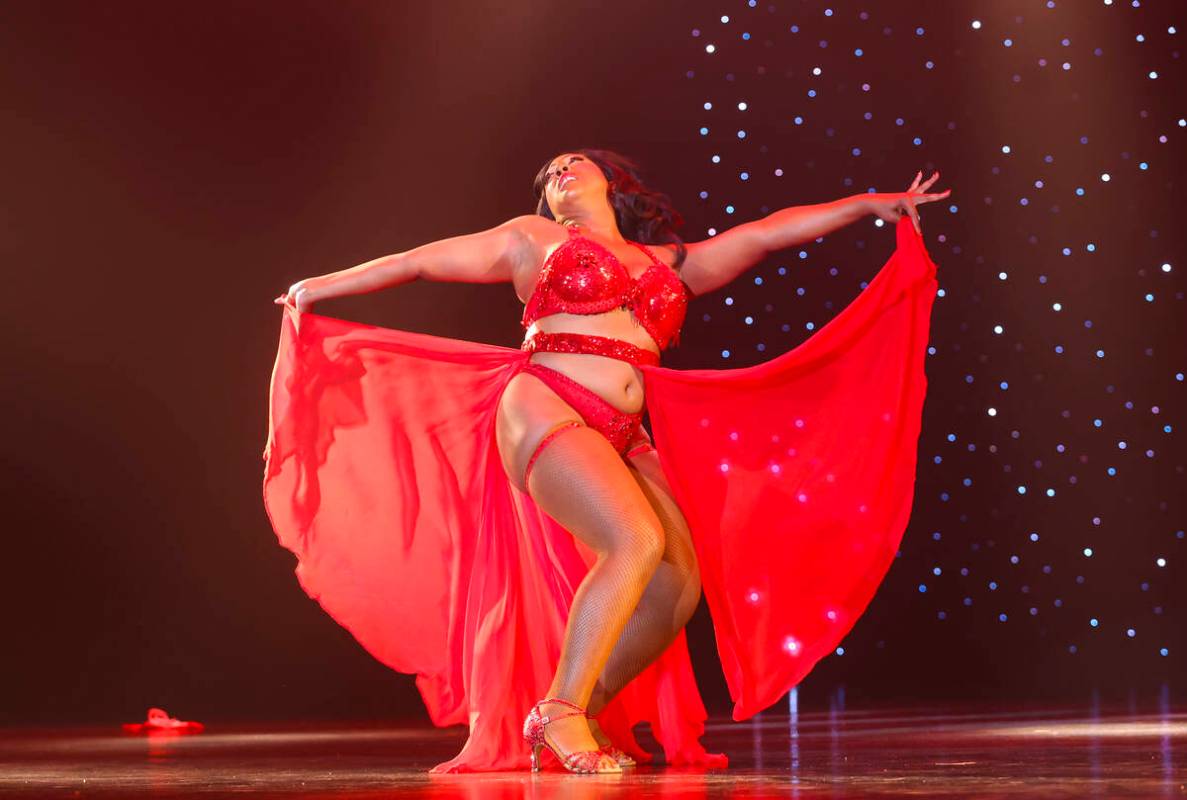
(573, 181)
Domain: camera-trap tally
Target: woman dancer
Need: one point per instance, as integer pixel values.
(605, 279)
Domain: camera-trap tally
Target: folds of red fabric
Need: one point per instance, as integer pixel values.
(383, 478)
(797, 476)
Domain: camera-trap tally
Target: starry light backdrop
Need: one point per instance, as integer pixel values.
(1047, 538)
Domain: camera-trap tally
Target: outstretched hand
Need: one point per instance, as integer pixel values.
(891, 207)
(300, 296)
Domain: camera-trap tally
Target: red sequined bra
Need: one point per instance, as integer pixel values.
(583, 277)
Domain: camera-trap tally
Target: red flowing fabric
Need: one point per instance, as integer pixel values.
(796, 476)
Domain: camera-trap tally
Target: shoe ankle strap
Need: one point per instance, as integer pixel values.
(561, 702)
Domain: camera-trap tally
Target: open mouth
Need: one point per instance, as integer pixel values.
(565, 180)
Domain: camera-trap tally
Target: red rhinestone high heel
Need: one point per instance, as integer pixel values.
(583, 761)
(620, 757)
(618, 754)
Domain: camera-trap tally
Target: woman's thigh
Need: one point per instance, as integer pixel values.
(528, 410)
(579, 479)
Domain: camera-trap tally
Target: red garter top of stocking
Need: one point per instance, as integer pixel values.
(583, 277)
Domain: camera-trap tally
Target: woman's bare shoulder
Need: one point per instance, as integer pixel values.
(540, 235)
(537, 228)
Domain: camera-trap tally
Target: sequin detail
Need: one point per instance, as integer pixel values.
(583, 277)
(555, 432)
(566, 342)
(617, 426)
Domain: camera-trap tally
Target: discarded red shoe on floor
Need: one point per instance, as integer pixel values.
(158, 720)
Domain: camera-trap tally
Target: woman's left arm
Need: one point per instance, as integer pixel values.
(714, 262)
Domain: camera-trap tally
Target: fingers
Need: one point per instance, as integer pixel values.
(909, 203)
(923, 187)
(918, 186)
(915, 194)
(930, 198)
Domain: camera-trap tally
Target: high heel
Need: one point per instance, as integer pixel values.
(620, 756)
(582, 761)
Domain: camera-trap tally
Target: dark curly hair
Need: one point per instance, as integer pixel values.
(642, 215)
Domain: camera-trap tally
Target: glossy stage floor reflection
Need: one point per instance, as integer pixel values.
(899, 752)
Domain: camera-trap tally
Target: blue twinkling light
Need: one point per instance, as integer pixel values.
(1038, 419)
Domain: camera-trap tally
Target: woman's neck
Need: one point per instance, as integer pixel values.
(598, 225)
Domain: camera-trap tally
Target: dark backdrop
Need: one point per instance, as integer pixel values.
(171, 167)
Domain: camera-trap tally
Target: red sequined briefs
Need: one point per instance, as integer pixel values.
(583, 277)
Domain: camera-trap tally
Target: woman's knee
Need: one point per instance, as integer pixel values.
(649, 540)
(581, 482)
(634, 533)
(680, 558)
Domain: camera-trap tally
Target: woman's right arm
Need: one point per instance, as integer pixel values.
(490, 256)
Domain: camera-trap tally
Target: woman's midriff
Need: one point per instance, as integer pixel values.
(617, 382)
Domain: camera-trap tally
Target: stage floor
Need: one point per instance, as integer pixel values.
(889, 752)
